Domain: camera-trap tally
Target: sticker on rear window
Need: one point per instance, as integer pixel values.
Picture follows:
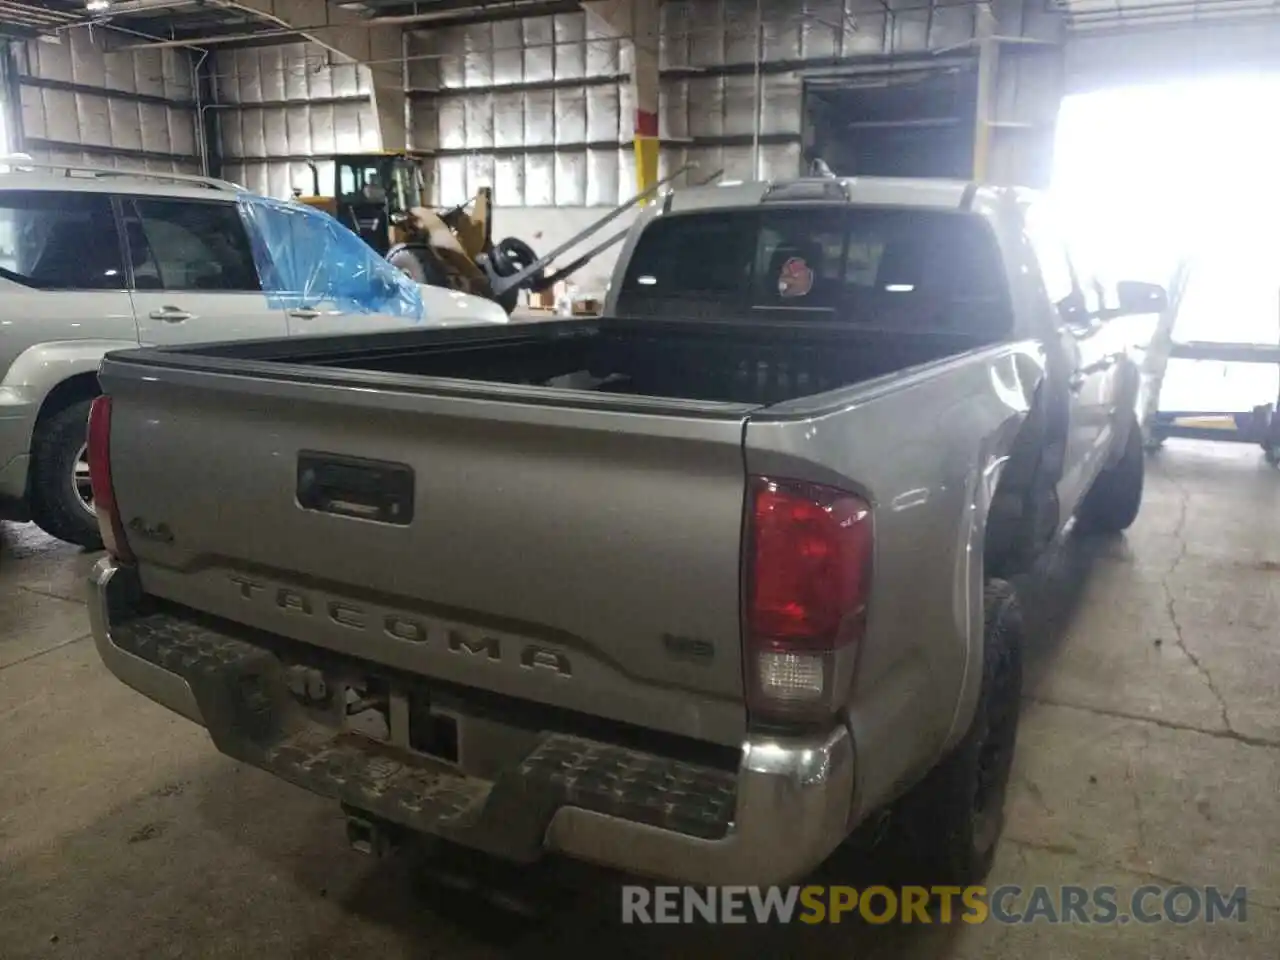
(795, 279)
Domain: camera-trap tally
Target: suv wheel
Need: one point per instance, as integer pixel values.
(61, 498)
(951, 821)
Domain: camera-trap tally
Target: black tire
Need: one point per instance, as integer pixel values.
(56, 505)
(510, 256)
(950, 823)
(1113, 502)
(418, 265)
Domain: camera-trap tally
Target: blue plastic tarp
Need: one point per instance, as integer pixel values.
(306, 258)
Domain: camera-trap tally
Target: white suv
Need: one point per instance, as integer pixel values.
(97, 260)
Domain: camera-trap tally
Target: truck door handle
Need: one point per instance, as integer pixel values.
(170, 314)
(304, 313)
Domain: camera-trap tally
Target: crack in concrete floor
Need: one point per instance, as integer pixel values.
(1236, 736)
(1171, 608)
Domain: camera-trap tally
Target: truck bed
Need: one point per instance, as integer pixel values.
(735, 363)
(550, 513)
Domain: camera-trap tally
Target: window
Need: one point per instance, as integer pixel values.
(360, 183)
(698, 257)
(188, 245)
(404, 193)
(899, 268)
(310, 259)
(1051, 255)
(59, 241)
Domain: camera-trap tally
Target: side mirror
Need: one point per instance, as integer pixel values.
(1136, 297)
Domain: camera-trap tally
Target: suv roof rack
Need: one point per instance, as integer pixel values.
(21, 162)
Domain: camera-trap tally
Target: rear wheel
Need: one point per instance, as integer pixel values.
(419, 265)
(61, 497)
(1113, 502)
(951, 821)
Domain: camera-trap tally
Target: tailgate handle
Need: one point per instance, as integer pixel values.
(354, 487)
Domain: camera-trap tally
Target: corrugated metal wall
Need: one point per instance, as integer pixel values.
(1029, 86)
(82, 104)
(276, 106)
(539, 107)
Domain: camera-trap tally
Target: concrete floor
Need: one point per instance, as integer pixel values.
(1149, 752)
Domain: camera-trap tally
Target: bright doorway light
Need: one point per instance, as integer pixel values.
(1146, 176)
(1151, 173)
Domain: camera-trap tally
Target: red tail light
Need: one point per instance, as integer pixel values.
(808, 582)
(104, 494)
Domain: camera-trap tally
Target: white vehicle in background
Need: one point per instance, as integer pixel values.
(96, 260)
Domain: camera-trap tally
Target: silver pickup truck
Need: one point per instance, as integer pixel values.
(689, 590)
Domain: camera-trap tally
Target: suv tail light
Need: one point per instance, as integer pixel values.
(104, 494)
(808, 581)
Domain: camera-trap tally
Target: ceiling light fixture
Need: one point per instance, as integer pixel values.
(97, 6)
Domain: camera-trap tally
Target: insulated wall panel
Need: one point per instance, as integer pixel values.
(541, 108)
(124, 109)
(278, 105)
(538, 102)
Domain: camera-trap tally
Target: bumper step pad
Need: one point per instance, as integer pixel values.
(635, 786)
(251, 715)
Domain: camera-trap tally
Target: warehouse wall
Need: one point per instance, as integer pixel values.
(275, 106)
(81, 104)
(1028, 88)
(539, 108)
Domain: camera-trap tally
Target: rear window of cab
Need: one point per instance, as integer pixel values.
(876, 266)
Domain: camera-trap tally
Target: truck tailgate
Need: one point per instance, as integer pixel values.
(584, 558)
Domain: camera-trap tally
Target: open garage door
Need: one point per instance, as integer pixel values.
(1133, 42)
(1174, 173)
(903, 123)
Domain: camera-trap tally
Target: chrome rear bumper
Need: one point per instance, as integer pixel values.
(786, 808)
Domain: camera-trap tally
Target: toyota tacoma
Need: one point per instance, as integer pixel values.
(691, 589)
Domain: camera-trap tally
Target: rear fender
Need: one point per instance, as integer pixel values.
(40, 368)
(29, 386)
(995, 453)
(927, 447)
